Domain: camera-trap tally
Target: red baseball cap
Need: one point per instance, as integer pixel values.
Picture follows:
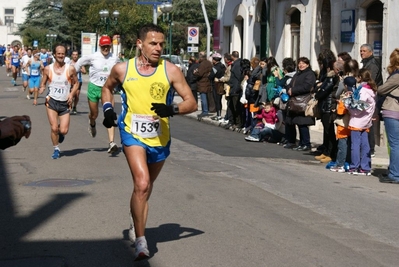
(105, 40)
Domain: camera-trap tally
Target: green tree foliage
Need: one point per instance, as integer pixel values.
(68, 18)
(43, 17)
(188, 13)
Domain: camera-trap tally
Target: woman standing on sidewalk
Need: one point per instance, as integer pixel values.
(301, 84)
(390, 112)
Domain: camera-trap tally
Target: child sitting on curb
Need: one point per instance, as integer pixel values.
(266, 117)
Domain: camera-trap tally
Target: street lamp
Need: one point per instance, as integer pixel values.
(50, 38)
(166, 8)
(105, 18)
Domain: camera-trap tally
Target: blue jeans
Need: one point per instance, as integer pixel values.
(392, 129)
(342, 151)
(275, 135)
(360, 151)
(204, 103)
(304, 135)
(256, 132)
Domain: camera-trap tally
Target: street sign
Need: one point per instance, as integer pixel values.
(192, 49)
(193, 35)
(348, 26)
(35, 43)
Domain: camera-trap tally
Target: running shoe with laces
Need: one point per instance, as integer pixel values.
(337, 169)
(13, 81)
(56, 154)
(92, 130)
(363, 172)
(352, 171)
(251, 138)
(141, 249)
(112, 148)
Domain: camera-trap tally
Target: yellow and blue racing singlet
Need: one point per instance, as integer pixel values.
(138, 92)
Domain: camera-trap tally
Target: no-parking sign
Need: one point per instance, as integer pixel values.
(193, 33)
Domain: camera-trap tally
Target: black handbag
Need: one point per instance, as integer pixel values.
(297, 104)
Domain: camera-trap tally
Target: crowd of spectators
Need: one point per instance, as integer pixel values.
(351, 101)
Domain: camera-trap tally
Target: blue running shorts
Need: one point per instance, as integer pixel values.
(154, 154)
(25, 77)
(34, 82)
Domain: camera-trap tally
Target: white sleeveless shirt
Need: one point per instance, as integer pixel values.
(59, 85)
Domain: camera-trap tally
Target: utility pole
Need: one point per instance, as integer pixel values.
(208, 30)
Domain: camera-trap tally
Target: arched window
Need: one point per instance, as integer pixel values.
(295, 33)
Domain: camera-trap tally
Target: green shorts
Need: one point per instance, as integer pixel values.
(94, 93)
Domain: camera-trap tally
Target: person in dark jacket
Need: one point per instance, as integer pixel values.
(373, 65)
(190, 78)
(324, 96)
(234, 105)
(218, 71)
(302, 83)
(251, 93)
(203, 83)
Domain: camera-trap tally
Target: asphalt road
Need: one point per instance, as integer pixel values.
(219, 201)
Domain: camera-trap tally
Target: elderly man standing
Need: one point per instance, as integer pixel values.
(203, 83)
(373, 65)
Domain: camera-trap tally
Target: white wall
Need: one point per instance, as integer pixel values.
(6, 36)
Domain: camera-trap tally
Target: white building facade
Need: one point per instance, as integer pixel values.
(296, 28)
(11, 14)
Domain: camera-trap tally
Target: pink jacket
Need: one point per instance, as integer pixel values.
(269, 117)
(362, 119)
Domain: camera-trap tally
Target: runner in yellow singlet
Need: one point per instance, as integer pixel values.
(147, 96)
(7, 56)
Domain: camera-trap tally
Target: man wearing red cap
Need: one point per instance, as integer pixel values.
(101, 63)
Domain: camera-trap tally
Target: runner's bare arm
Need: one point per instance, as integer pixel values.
(114, 79)
(179, 83)
(74, 82)
(44, 80)
(27, 67)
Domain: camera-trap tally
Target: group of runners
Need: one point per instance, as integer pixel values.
(146, 83)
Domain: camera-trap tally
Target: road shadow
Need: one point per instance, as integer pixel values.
(17, 249)
(106, 149)
(74, 152)
(165, 233)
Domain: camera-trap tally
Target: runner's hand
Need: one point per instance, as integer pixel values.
(109, 118)
(163, 110)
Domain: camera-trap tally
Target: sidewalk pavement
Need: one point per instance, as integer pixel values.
(316, 132)
(316, 135)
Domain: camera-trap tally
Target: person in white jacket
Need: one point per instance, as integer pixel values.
(101, 63)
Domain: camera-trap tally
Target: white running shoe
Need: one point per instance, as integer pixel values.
(132, 232)
(92, 130)
(141, 250)
(112, 148)
(27, 97)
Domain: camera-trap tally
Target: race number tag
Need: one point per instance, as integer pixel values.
(145, 126)
(58, 92)
(35, 72)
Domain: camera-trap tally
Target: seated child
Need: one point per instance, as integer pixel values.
(266, 118)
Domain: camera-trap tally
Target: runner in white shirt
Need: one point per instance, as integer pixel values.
(25, 75)
(67, 60)
(101, 64)
(61, 78)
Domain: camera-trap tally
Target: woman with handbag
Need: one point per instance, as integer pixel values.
(299, 90)
(323, 95)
